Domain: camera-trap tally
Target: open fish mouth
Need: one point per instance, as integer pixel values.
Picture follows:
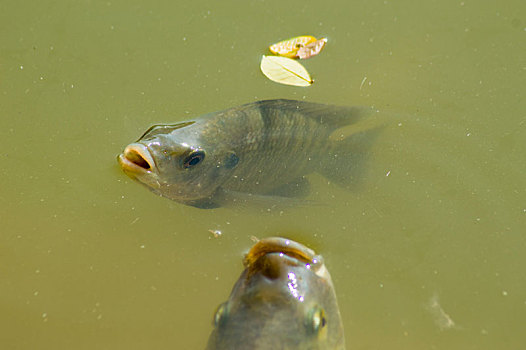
(270, 255)
(136, 159)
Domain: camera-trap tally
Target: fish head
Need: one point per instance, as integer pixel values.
(284, 299)
(174, 162)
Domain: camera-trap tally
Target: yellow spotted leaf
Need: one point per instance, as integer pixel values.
(289, 47)
(285, 70)
(311, 49)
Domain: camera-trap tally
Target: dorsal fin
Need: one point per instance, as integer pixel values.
(333, 116)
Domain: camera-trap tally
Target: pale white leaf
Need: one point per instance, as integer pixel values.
(285, 70)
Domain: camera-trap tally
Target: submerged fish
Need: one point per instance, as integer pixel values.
(263, 148)
(284, 299)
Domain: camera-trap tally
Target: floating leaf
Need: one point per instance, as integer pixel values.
(289, 47)
(311, 49)
(285, 70)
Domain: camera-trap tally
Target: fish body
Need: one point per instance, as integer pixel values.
(253, 149)
(284, 299)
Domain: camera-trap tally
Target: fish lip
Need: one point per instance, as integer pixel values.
(131, 167)
(295, 251)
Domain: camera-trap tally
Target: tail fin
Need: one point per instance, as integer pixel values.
(351, 146)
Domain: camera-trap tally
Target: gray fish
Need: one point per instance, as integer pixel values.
(284, 299)
(263, 148)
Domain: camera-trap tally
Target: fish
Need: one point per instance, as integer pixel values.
(262, 149)
(284, 299)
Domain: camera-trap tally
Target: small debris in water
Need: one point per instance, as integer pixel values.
(442, 319)
(363, 82)
(215, 233)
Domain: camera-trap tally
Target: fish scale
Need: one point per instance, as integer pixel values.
(284, 158)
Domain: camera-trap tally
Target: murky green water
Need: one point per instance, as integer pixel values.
(428, 253)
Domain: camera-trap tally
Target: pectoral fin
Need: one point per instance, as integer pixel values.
(203, 203)
(299, 188)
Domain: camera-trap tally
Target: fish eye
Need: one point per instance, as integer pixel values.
(317, 321)
(193, 159)
(220, 315)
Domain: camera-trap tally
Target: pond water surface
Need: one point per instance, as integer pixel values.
(427, 253)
